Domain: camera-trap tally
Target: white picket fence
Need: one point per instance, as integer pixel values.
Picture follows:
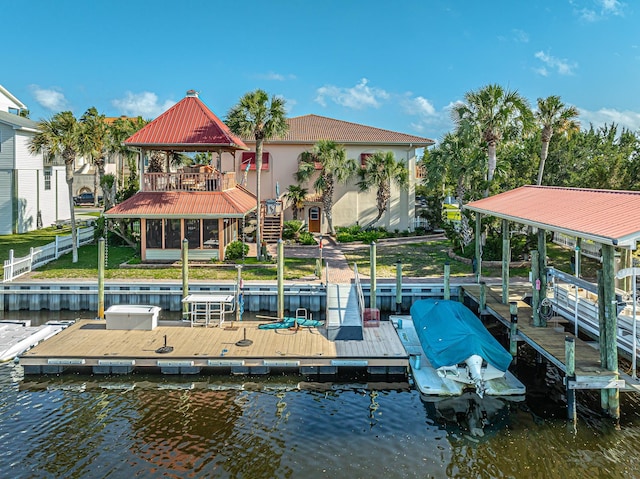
(588, 248)
(15, 267)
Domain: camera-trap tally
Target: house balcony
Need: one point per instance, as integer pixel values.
(180, 181)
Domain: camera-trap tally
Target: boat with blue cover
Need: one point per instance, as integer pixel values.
(452, 350)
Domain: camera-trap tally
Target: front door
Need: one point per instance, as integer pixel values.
(314, 219)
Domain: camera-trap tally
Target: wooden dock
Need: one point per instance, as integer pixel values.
(549, 341)
(89, 346)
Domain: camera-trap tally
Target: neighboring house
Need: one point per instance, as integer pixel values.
(351, 206)
(33, 191)
(201, 203)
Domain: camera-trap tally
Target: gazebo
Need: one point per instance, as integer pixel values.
(609, 218)
(202, 203)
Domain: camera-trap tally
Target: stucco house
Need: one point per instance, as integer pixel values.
(33, 191)
(350, 206)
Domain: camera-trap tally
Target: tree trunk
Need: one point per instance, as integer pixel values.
(492, 161)
(543, 157)
(258, 200)
(74, 232)
(96, 183)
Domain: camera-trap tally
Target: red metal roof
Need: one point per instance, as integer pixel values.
(605, 216)
(187, 125)
(232, 203)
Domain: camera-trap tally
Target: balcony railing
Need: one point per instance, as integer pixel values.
(214, 181)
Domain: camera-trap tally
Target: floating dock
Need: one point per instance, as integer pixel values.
(90, 347)
(18, 336)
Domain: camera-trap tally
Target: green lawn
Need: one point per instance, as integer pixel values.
(423, 259)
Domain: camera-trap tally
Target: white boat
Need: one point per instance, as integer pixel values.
(16, 337)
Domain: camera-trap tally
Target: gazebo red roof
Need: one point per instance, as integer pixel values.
(187, 126)
(232, 203)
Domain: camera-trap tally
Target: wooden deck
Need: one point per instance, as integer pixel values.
(89, 345)
(548, 341)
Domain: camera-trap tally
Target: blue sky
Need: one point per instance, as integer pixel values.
(395, 65)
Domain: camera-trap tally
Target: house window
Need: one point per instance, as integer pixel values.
(172, 234)
(192, 233)
(154, 234)
(363, 159)
(210, 234)
(249, 158)
(47, 178)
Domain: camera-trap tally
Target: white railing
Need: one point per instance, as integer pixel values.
(588, 248)
(359, 292)
(419, 222)
(15, 267)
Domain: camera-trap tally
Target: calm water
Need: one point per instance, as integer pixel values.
(205, 426)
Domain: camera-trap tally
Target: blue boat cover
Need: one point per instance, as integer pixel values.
(449, 333)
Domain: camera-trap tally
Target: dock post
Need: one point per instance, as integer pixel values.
(482, 307)
(611, 323)
(185, 273)
(506, 261)
(240, 305)
(280, 279)
(602, 340)
(542, 268)
(447, 286)
(101, 249)
(398, 287)
(535, 284)
(478, 247)
(513, 339)
(570, 366)
(372, 293)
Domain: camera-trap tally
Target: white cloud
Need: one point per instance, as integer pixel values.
(562, 66)
(418, 106)
(51, 98)
(358, 97)
(598, 9)
(143, 104)
(627, 118)
(520, 36)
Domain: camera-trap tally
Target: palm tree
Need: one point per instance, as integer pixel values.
(59, 136)
(334, 167)
(553, 116)
(258, 117)
(119, 131)
(380, 170)
(93, 144)
(296, 196)
(493, 113)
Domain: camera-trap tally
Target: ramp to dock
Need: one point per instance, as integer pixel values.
(343, 319)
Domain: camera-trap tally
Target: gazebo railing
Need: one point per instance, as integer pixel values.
(205, 181)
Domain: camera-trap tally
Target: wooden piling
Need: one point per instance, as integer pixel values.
(513, 337)
(373, 303)
(611, 323)
(447, 285)
(398, 287)
(478, 245)
(542, 267)
(506, 261)
(185, 273)
(483, 298)
(570, 362)
(535, 282)
(101, 250)
(280, 278)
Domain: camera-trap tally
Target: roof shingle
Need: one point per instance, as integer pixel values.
(311, 128)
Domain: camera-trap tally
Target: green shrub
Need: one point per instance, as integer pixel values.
(307, 238)
(236, 250)
(293, 229)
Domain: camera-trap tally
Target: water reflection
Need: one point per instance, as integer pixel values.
(468, 415)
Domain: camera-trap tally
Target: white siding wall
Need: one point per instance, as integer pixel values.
(6, 147)
(58, 208)
(27, 200)
(350, 204)
(6, 210)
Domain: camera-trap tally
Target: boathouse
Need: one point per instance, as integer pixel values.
(202, 203)
(608, 218)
